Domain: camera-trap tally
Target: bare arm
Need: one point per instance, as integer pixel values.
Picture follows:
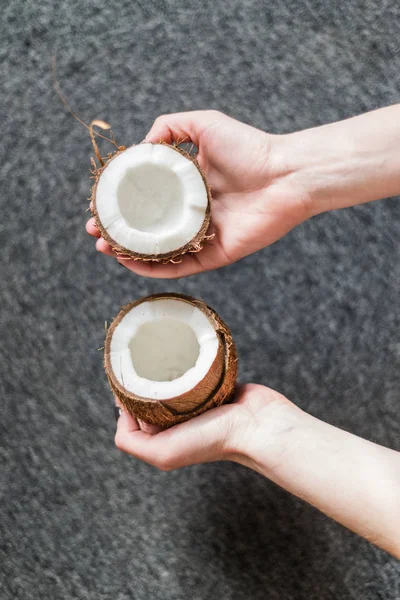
(354, 481)
(345, 163)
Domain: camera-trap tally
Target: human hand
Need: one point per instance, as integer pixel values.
(350, 479)
(264, 185)
(252, 206)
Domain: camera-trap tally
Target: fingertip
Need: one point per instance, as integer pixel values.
(171, 128)
(126, 423)
(157, 134)
(92, 229)
(103, 247)
(149, 428)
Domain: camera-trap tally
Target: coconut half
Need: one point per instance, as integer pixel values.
(169, 357)
(152, 202)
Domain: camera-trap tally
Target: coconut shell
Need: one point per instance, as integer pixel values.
(195, 245)
(215, 389)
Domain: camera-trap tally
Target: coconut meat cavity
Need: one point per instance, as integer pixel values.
(151, 200)
(161, 349)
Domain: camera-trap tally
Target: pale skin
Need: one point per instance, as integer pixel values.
(264, 185)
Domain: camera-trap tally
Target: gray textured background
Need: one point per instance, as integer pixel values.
(315, 316)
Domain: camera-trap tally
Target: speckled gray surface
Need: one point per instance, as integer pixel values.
(315, 316)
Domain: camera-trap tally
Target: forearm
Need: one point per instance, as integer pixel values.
(345, 163)
(354, 481)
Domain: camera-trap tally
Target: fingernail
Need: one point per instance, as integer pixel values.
(117, 412)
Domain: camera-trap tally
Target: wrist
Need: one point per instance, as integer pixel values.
(342, 164)
(329, 468)
(315, 165)
(264, 427)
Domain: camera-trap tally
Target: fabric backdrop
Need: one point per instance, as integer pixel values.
(315, 316)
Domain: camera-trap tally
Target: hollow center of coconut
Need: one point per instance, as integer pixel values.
(151, 200)
(163, 348)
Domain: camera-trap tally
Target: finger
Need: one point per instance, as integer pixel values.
(104, 248)
(210, 257)
(149, 428)
(126, 421)
(182, 127)
(152, 269)
(92, 229)
(202, 439)
(129, 423)
(159, 270)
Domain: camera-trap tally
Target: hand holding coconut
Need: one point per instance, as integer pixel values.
(247, 210)
(169, 358)
(263, 185)
(331, 469)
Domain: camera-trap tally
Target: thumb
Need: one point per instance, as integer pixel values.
(182, 127)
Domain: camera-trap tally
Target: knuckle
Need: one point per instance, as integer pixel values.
(164, 466)
(165, 463)
(214, 113)
(160, 119)
(118, 441)
(254, 389)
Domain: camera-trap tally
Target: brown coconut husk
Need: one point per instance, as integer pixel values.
(195, 245)
(215, 389)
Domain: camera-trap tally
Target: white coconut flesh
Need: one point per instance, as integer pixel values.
(151, 199)
(163, 348)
